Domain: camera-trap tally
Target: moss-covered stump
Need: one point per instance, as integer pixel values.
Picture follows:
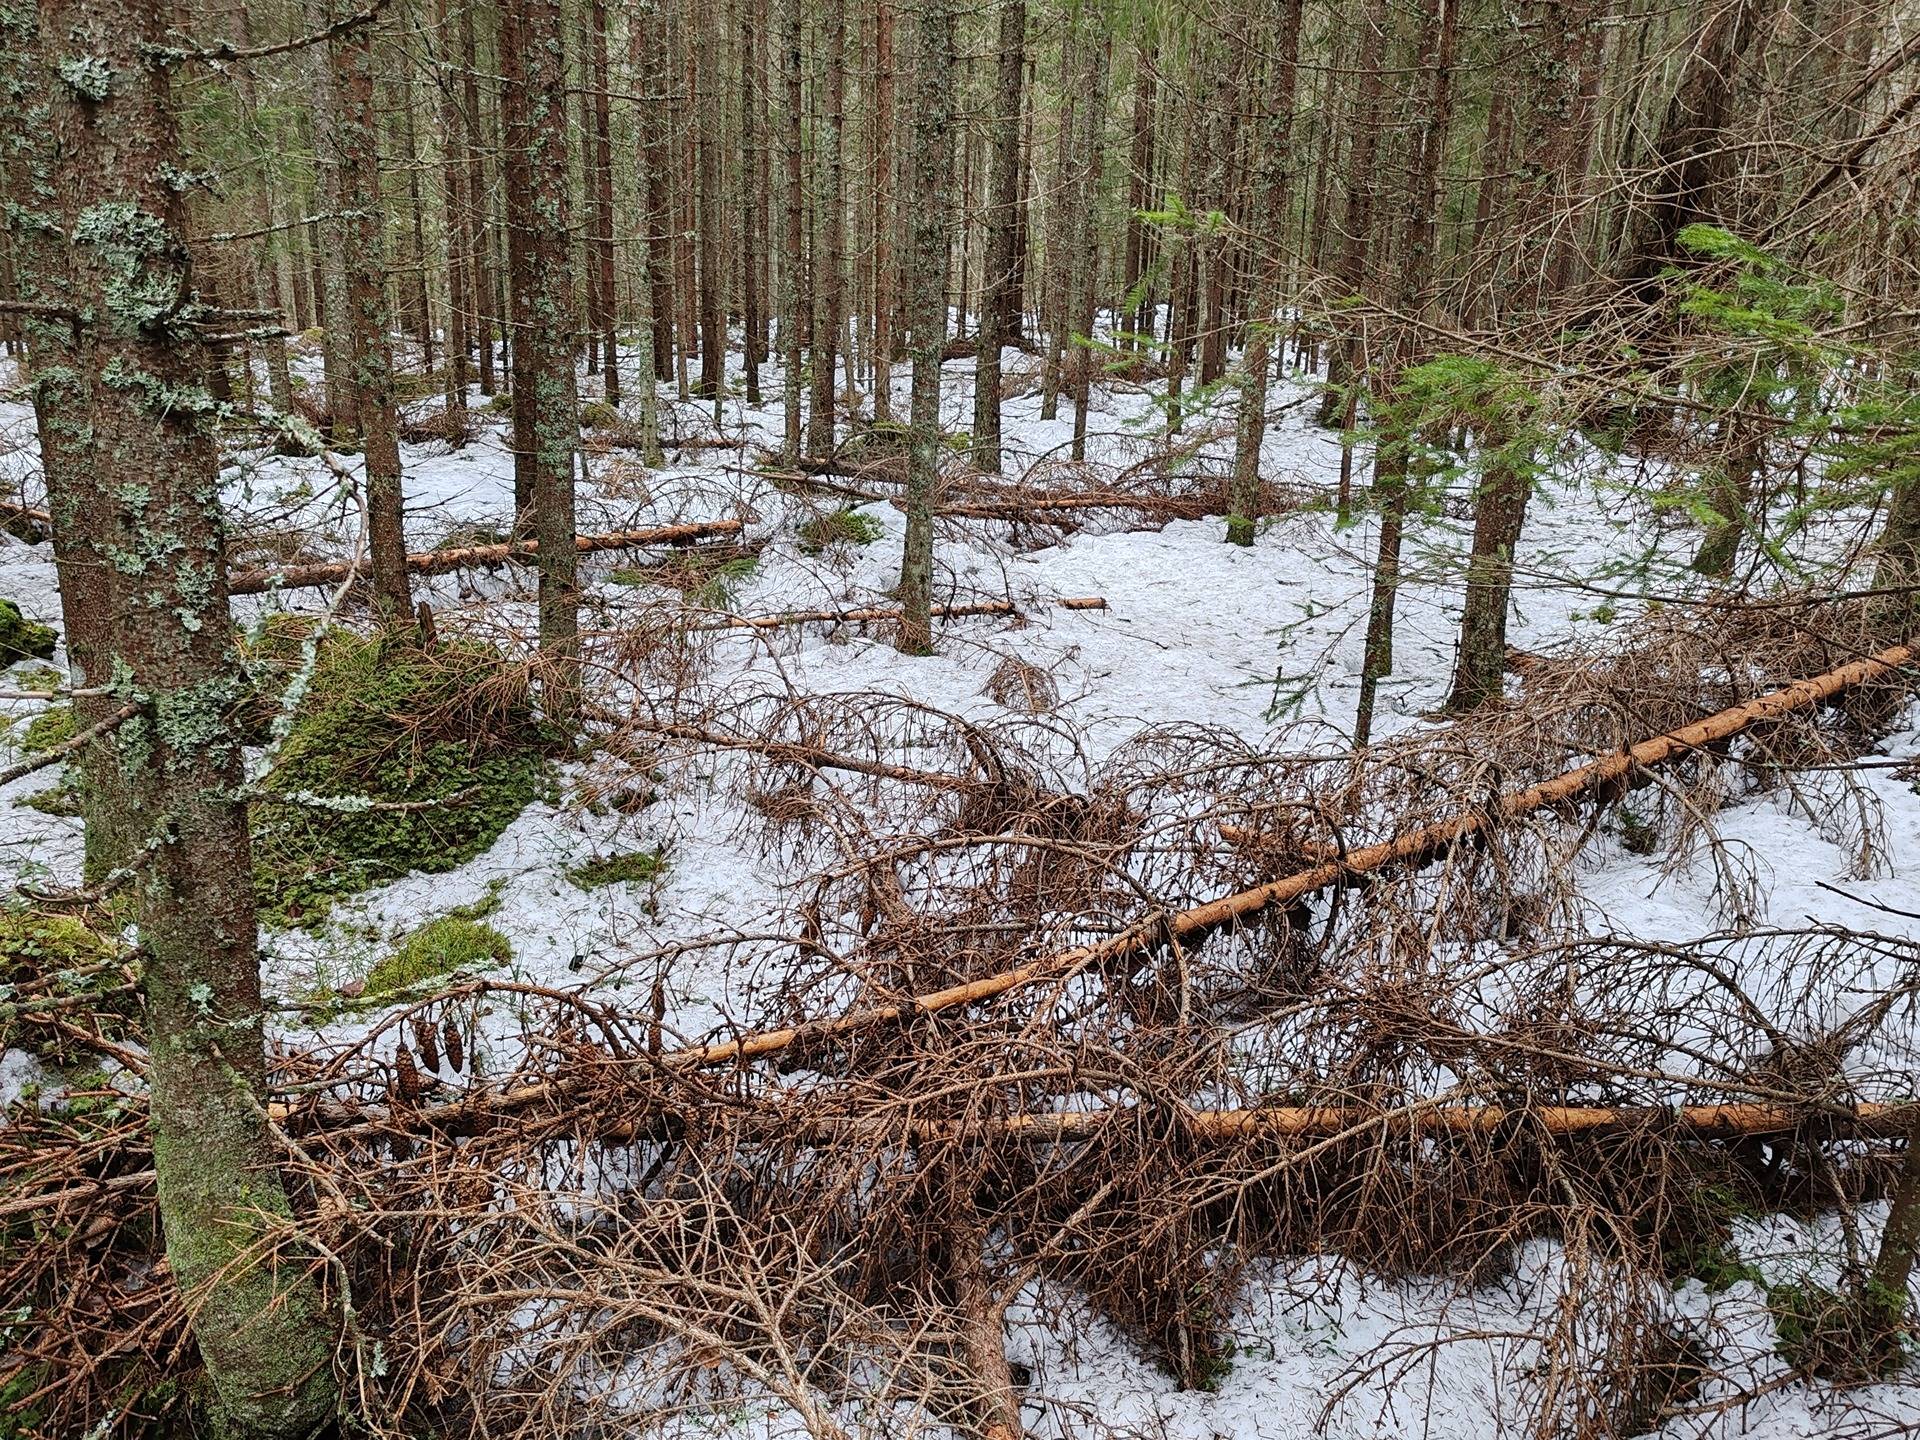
(397, 760)
(21, 638)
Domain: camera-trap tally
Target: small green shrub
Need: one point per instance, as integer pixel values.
(640, 868)
(52, 726)
(21, 638)
(440, 947)
(845, 526)
(598, 415)
(501, 404)
(382, 723)
(1850, 1337)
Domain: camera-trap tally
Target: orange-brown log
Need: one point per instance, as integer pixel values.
(440, 562)
(1412, 847)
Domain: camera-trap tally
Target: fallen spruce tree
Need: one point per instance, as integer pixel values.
(467, 557)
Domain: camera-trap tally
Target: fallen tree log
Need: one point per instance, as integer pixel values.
(858, 616)
(440, 562)
(1706, 1123)
(1413, 847)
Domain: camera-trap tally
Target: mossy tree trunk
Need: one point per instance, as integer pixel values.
(546, 407)
(926, 295)
(132, 370)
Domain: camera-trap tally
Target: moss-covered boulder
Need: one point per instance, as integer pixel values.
(21, 638)
(397, 760)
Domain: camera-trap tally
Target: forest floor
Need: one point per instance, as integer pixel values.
(1262, 643)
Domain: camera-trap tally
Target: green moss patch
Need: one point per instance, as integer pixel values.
(598, 415)
(442, 947)
(21, 638)
(642, 867)
(845, 526)
(62, 800)
(52, 726)
(59, 955)
(396, 761)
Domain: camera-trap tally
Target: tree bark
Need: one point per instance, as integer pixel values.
(997, 306)
(546, 404)
(925, 284)
(134, 470)
(354, 151)
(829, 229)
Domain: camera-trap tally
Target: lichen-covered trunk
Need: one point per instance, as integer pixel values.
(998, 305)
(602, 249)
(707, 142)
(884, 216)
(353, 147)
(926, 295)
(126, 398)
(546, 406)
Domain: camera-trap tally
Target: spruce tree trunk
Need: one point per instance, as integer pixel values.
(793, 254)
(749, 205)
(546, 404)
(884, 217)
(925, 284)
(1086, 256)
(354, 150)
(601, 251)
(707, 141)
(998, 306)
(482, 276)
(453, 205)
(830, 230)
(140, 476)
(1272, 176)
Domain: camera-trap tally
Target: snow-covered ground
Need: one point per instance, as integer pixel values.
(1194, 631)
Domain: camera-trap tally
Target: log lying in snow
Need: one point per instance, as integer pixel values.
(1699, 1122)
(1413, 847)
(440, 562)
(853, 617)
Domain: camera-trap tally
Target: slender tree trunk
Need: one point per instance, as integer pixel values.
(453, 204)
(546, 405)
(1056, 283)
(140, 481)
(707, 139)
(354, 150)
(481, 275)
(1438, 22)
(749, 204)
(1086, 258)
(602, 248)
(925, 284)
(829, 228)
(998, 307)
(792, 251)
(1273, 183)
(883, 212)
